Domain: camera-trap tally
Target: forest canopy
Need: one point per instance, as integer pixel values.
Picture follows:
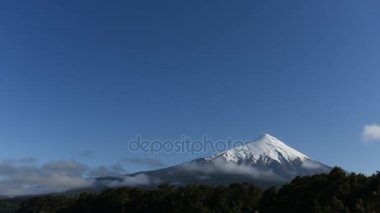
(337, 191)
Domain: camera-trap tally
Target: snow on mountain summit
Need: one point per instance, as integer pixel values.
(267, 148)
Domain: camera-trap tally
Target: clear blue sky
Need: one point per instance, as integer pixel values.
(88, 76)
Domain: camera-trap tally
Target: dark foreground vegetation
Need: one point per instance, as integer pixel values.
(333, 192)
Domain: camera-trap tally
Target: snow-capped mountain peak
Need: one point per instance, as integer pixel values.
(266, 162)
(266, 148)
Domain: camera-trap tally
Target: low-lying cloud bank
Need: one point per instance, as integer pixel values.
(26, 177)
(137, 180)
(221, 166)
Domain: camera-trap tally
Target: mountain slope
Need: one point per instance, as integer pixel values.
(266, 161)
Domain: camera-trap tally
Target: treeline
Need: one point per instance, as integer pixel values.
(333, 192)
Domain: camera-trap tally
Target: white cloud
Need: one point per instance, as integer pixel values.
(310, 165)
(26, 177)
(371, 133)
(221, 166)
